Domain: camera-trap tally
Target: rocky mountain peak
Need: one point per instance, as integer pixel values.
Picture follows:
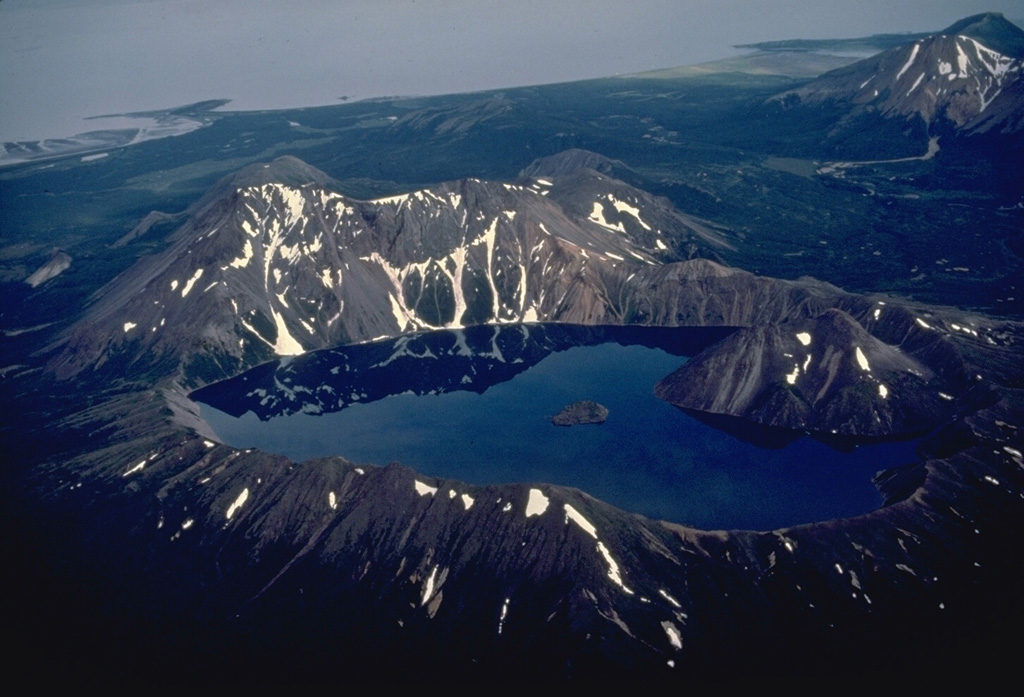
(287, 170)
(825, 374)
(954, 79)
(571, 160)
(275, 262)
(993, 30)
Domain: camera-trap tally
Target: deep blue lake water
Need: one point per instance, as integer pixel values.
(648, 457)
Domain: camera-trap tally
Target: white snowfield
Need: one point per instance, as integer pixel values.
(537, 503)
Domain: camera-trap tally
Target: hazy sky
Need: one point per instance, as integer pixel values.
(63, 60)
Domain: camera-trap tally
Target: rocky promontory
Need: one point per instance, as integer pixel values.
(826, 374)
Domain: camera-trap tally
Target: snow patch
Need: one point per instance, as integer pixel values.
(910, 61)
(673, 634)
(664, 594)
(575, 516)
(424, 489)
(136, 468)
(488, 238)
(504, 613)
(804, 338)
(286, 345)
(597, 216)
(633, 211)
(917, 82)
(613, 568)
(862, 360)
(191, 282)
(995, 63)
(399, 199)
(467, 501)
(883, 391)
(428, 587)
(332, 500)
(238, 502)
(961, 60)
(243, 261)
(537, 503)
(128, 326)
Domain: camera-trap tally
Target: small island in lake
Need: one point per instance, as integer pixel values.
(584, 412)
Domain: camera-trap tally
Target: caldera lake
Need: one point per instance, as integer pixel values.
(475, 405)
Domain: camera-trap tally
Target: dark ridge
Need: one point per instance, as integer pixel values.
(573, 160)
(993, 30)
(990, 28)
(287, 170)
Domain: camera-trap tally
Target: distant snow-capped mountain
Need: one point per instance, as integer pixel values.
(968, 77)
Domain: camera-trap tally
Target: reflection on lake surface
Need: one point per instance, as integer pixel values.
(475, 405)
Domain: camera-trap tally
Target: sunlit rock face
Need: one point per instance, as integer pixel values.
(265, 268)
